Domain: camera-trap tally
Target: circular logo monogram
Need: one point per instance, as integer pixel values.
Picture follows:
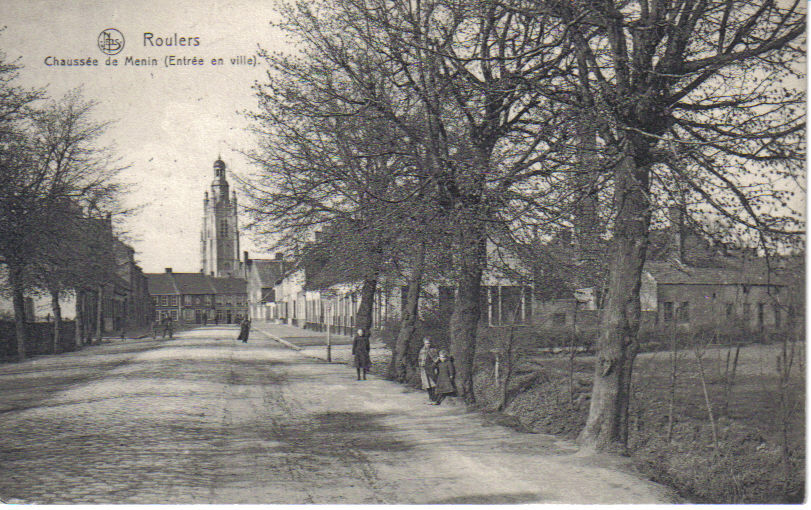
(111, 41)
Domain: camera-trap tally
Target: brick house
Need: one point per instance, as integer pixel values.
(747, 296)
(196, 298)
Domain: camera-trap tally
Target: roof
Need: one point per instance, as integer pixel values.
(674, 273)
(269, 271)
(193, 283)
(228, 285)
(161, 283)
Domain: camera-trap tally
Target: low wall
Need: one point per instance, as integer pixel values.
(40, 338)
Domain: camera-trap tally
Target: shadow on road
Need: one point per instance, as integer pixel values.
(333, 433)
(491, 499)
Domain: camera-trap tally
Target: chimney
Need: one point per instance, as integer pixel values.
(318, 236)
(168, 270)
(245, 256)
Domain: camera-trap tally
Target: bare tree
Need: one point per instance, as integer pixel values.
(54, 170)
(694, 93)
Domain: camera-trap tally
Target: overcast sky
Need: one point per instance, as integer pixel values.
(171, 123)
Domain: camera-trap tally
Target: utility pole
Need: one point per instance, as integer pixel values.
(329, 327)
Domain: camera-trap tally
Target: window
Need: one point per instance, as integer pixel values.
(730, 311)
(559, 319)
(778, 319)
(156, 300)
(528, 304)
(187, 299)
(511, 305)
(172, 300)
(174, 314)
(229, 299)
(667, 311)
(220, 299)
(164, 300)
(760, 313)
(223, 228)
(746, 289)
(684, 311)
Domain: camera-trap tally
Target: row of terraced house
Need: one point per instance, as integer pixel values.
(748, 293)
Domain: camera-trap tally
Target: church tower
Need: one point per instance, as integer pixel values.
(220, 236)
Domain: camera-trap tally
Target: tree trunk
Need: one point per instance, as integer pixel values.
(79, 317)
(99, 313)
(18, 299)
(408, 324)
(465, 316)
(57, 311)
(607, 424)
(367, 298)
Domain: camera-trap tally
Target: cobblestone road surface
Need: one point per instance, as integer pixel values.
(204, 419)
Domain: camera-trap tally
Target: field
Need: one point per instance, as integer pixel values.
(735, 457)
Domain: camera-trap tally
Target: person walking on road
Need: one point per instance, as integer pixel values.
(445, 375)
(360, 350)
(244, 330)
(168, 327)
(425, 360)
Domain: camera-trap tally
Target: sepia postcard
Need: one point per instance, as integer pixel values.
(402, 252)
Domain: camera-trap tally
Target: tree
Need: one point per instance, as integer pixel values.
(325, 167)
(684, 95)
(15, 102)
(53, 170)
(452, 79)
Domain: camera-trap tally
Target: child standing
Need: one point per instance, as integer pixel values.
(444, 375)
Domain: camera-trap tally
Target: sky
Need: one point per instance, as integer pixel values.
(170, 123)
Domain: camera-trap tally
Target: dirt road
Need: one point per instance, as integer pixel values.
(204, 419)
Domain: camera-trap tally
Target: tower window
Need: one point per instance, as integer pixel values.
(224, 228)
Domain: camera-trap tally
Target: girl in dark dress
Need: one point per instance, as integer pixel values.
(244, 330)
(360, 350)
(444, 375)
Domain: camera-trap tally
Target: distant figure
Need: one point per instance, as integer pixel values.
(168, 327)
(216, 320)
(205, 318)
(123, 332)
(445, 375)
(360, 350)
(155, 324)
(425, 360)
(244, 330)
